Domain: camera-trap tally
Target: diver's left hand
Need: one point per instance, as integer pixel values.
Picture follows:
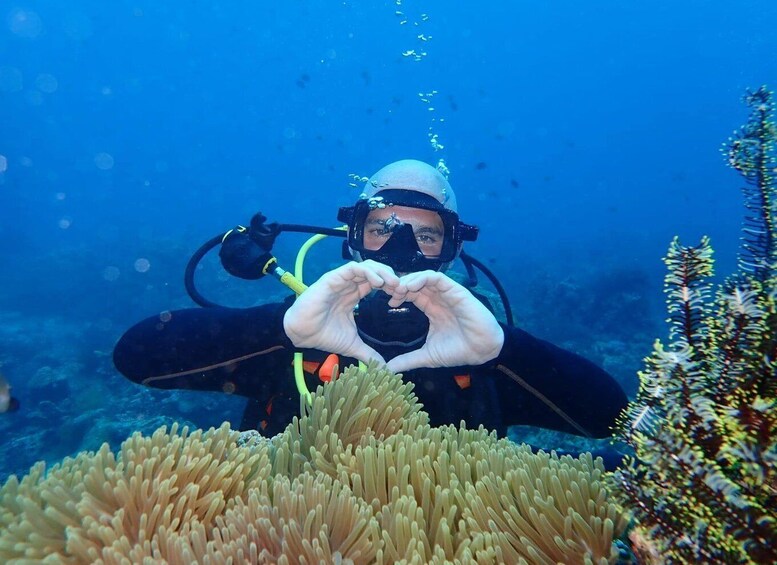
(461, 329)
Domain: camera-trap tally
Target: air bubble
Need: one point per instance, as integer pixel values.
(103, 161)
(46, 83)
(25, 23)
(111, 273)
(142, 265)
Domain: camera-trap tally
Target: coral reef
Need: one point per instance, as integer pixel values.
(72, 398)
(360, 477)
(703, 486)
(590, 310)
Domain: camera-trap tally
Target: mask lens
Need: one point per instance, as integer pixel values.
(428, 229)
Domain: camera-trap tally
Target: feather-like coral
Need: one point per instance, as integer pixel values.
(703, 486)
(360, 477)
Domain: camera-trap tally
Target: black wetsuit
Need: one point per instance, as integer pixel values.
(246, 352)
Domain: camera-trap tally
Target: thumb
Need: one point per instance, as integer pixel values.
(365, 353)
(408, 361)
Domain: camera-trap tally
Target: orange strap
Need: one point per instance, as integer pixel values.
(462, 380)
(328, 367)
(323, 370)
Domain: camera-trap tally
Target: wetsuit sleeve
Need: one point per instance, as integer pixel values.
(544, 385)
(222, 349)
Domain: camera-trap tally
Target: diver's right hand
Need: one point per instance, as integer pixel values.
(322, 316)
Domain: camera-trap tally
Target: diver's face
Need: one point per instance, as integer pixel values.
(427, 228)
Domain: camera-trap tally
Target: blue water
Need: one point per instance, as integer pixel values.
(581, 137)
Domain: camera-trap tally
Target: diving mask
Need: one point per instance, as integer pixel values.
(406, 230)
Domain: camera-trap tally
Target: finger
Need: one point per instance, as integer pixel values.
(420, 297)
(430, 280)
(386, 273)
(409, 361)
(415, 281)
(337, 280)
(364, 288)
(385, 270)
(377, 275)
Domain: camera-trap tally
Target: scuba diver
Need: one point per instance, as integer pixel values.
(391, 303)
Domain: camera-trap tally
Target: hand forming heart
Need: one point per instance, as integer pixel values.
(461, 329)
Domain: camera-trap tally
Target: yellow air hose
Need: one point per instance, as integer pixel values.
(297, 285)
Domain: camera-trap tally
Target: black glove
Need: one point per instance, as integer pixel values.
(245, 251)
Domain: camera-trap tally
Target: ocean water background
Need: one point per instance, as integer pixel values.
(580, 137)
